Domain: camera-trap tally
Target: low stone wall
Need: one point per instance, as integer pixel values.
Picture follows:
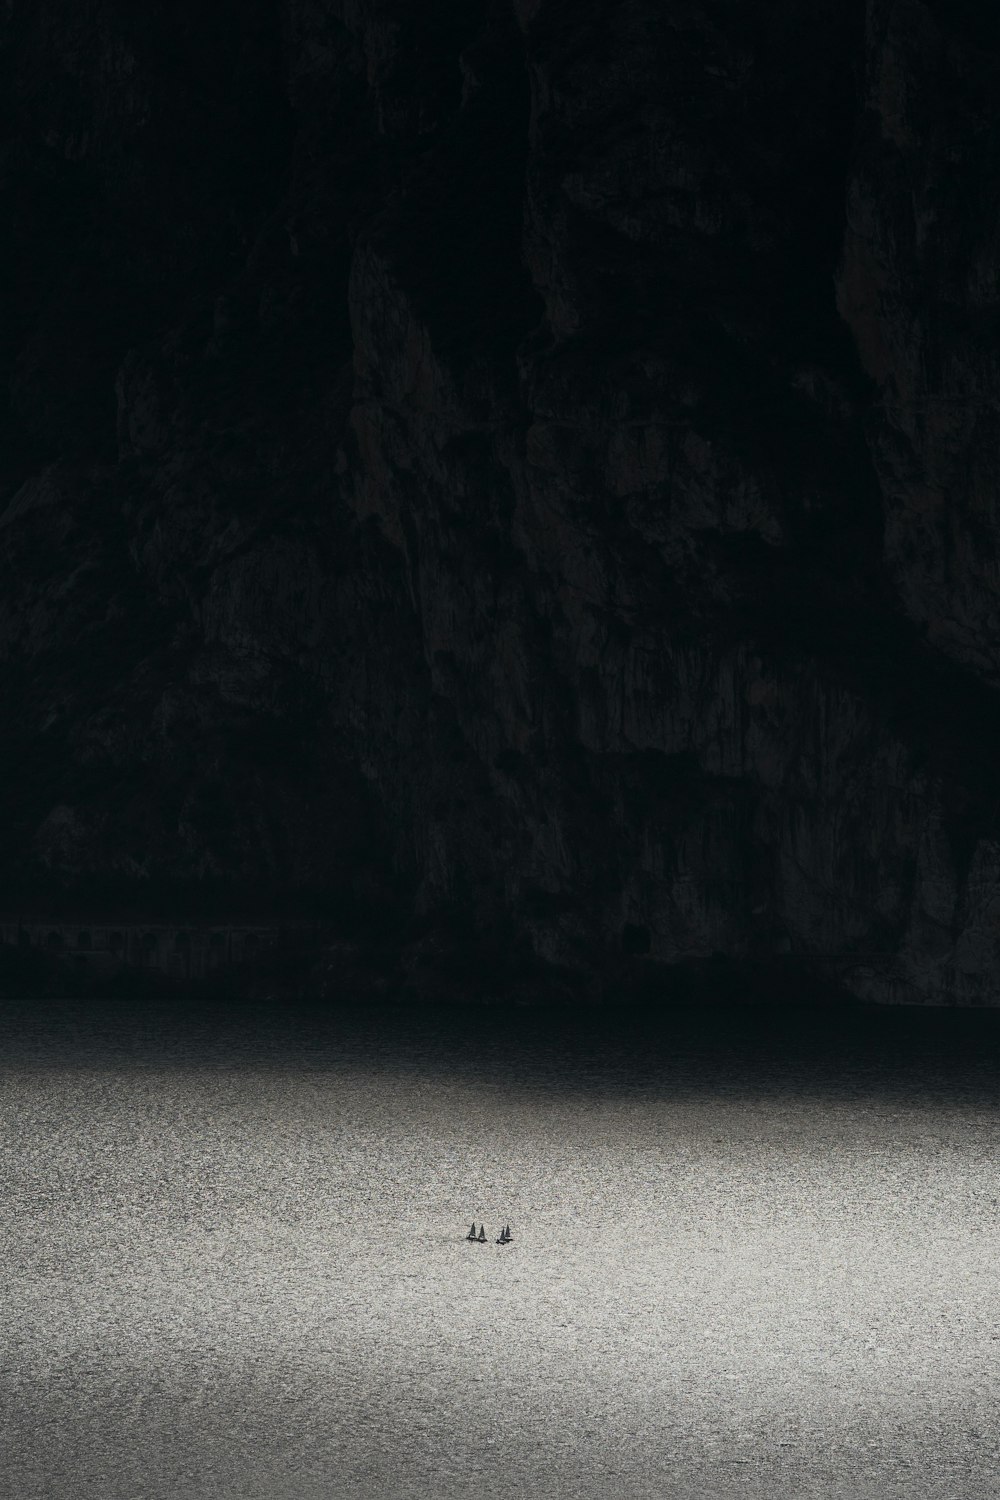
(184, 951)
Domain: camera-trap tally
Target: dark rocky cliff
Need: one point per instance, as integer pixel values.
(526, 470)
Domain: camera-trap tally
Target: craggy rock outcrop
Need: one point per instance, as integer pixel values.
(514, 477)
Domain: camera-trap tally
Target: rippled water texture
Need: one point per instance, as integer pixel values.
(753, 1255)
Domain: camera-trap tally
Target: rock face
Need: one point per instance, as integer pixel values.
(527, 468)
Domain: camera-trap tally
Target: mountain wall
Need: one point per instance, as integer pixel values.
(517, 480)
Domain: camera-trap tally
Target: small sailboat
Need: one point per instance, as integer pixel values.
(482, 1234)
(507, 1234)
(472, 1232)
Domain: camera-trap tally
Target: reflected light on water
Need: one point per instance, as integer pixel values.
(749, 1260)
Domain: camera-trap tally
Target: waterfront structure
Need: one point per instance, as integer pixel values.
(181, 950)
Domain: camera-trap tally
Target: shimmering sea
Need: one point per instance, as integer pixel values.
(756, 1253)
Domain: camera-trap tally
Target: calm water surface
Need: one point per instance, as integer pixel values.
(753, 1255)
